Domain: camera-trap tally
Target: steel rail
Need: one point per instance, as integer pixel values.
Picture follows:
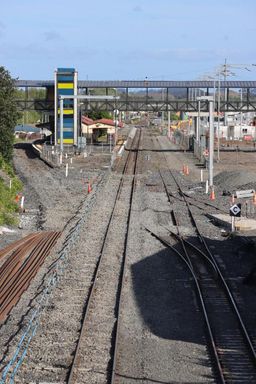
(20, 278)
(226, 288)
(203, 202)
(26, 273)
(127, 164)
(12, 264)
(196, 201)
(13, 289)
(194, 247)
(75, 364)
(120, 302)
(199, 290)
(13, 246)
(177, 226)
(11, 259)
(202, 302)
(222, 279)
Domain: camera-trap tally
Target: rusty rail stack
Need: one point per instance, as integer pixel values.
(20, 262)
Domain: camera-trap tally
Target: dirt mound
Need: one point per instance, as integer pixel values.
(233, 180)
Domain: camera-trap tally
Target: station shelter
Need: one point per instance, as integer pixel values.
(102, 129)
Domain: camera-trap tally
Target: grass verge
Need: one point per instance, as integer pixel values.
(8, 206)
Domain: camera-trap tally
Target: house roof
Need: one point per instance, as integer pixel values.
(87, 121)
(108, 122)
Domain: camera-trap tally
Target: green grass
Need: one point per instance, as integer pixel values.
(8, 206)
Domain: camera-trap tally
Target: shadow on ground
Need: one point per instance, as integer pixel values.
(166, 295)
(27, 147)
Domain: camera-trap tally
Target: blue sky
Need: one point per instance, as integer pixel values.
(126, 40)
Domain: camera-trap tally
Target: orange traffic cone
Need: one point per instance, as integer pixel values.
(17, 198)
(254, 198)
(187, 171)
(212, 194)
(89, 187)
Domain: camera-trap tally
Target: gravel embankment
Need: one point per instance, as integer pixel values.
(62, 199)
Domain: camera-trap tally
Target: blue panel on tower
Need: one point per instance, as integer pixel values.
(65, 85)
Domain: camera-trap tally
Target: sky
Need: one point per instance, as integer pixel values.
(128, 40)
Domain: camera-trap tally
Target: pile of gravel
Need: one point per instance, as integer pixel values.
(233, 180)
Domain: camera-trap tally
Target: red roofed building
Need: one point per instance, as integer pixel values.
(86, 120)
(108, 123)
(92, 129)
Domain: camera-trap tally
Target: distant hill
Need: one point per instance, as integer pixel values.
(177, 93)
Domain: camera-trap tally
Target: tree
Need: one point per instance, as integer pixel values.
(8, 114)
(96, 115)
(30, 117)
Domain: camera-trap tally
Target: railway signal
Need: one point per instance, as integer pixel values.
(234, 211)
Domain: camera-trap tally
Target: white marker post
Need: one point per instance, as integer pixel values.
(22, 202)
(206, 186)
(67, 170)
(202, 176)
(232, 223)
(10, 184)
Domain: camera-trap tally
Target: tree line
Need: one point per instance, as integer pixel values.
(9, 114)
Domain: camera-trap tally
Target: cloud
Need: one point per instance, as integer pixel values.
(52, 35)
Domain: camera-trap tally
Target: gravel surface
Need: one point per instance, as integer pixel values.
(61, 200)
(162, 336)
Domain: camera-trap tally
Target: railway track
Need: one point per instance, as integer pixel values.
(232, 347)
(95, 355)
(85, 317)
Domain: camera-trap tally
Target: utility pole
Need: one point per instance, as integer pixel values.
(198, 122)
(225, 90)
(168, 121)
(218, 146)
(211, 144)
(211, 136)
